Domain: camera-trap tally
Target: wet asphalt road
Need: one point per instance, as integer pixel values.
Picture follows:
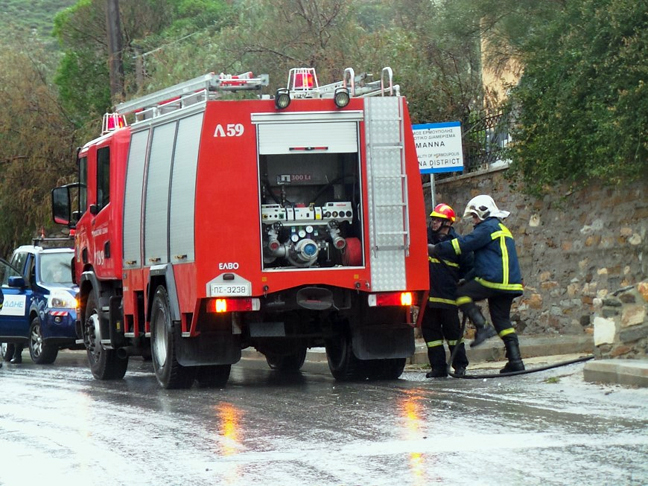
(60, 426)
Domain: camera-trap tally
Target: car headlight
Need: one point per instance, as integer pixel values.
(61, 299)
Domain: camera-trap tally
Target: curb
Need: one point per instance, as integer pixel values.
(631, 372)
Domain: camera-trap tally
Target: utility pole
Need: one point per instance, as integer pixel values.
(115, 64)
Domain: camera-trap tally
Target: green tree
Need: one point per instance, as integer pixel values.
(147, 25)
(583, 100)
(83, 78)
(36, 144)
(436, 58)
(272, 36)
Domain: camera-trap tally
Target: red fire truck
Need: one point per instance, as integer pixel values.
(205, 225)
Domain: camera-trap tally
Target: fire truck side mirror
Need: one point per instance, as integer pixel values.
(61, 205)
(94, 209)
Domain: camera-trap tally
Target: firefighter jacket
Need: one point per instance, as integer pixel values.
(496, 264)
(446, 272)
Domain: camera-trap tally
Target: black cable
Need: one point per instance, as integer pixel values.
(511, 373)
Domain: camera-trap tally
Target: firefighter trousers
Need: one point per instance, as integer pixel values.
(441, 324)
(499, 304)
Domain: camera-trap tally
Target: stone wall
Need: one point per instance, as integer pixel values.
(621, 323)
(575, 245)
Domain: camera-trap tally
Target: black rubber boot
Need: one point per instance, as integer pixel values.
(460, 361)
(437, 357)
(17, 357)
(437, 373)
(513, 354)
(460, 371)
(482, 330)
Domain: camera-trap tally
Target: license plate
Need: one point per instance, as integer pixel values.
(230, 290)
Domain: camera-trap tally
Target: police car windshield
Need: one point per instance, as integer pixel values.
(55, 268)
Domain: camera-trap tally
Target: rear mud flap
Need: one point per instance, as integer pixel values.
(383, 342)
(209, 349)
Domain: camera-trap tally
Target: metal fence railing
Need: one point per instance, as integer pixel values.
(484, 141)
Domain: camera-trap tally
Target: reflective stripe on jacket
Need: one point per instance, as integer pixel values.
(445, 273)
(496, 263)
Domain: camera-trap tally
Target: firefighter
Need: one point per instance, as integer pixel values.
(441, 319)
(497, 276)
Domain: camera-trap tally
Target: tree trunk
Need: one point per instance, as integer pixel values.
(115, 64)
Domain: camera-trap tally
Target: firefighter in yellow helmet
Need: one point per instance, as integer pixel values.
(441, 319)
(497, 276)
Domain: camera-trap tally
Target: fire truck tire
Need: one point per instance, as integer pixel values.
(215, 376)
(39, 350)
(7, 351)
(169, 372)
(344, 365)
(385, 369)
(287, 362)
(104, 363)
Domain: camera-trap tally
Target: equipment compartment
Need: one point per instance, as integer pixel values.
(311, 214)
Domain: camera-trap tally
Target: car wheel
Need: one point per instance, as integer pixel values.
(7, 351)
(169, 373)
(39, 350)
(104, 363)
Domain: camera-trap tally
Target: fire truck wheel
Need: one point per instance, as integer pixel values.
(342, 362)
(7, 351)
(215, 376)
(104, 363)
(385, 369)
(287, 362)
(39, 350)
(169, 373)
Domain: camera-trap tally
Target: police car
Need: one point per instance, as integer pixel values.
(39, 308)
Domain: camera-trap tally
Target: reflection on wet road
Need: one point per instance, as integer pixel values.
(60, 426)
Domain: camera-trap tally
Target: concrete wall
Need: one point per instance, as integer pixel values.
(575, 245)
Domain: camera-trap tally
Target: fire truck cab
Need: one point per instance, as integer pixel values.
(205, 226)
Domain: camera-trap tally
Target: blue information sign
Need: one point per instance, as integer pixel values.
(438, 147)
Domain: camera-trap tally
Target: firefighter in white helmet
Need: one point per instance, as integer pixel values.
(441, 317)
(497, 276)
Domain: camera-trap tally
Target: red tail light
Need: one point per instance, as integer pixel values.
(226, 304)
(391, 299)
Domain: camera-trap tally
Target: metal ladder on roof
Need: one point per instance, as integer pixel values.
(387, 190)
(188, 93)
